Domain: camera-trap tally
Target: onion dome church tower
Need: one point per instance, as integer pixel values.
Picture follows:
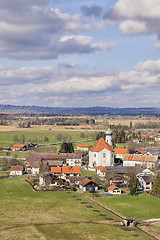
(109, 134)
(102, 154)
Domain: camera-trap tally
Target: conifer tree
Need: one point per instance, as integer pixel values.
(156, 185)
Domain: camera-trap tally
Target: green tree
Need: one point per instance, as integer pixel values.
(4, 164)
(46, 139)
(82, 135)
(132, 147)
(133, 184)
(66, 148)
(8, 154)
(34, 139)
(41, 167)
(156, 185)
(99, 135)
(15, 139)
(22, 139)
(59, 136)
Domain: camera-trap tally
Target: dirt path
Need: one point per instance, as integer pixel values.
(57, 223)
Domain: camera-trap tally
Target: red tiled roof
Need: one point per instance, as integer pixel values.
(145, 135)
(102, 169)
(100, 145)
(141, 158)
(120, 150)
(71, 170)
(16, 168)
(84, 145)
(112, 187)
(56, 169)
(18, 146)
(66, 170)
(142, 150)
(85, 181)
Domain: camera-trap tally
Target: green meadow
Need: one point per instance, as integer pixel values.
(7, 137)
(140, 207)
(27, 214)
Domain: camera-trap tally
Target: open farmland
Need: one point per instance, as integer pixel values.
(39, 133)
(137, 207)
(26, 214)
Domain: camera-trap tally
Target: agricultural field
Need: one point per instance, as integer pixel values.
(136, 207)
(27, 214)
(37, 135)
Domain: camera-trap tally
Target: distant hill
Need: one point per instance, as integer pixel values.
(12, 109)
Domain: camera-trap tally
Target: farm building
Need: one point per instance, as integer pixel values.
(114, 190)
(146, 160)
(88, 185)
(16, 170)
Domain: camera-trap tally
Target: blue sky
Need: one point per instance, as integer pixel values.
(66, 53)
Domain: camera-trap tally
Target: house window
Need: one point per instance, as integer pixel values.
(94, 154)
(104, 155)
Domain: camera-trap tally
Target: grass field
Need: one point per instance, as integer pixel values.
(88, 173)
(136, 207)
(26, 214)
(6, 137)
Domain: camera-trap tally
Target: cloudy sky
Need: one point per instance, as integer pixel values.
(80, 53)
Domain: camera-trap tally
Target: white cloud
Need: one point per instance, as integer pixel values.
(136, 17)
(50, 82)
(129, 9)
(133, 27)
(33, 30)
(144, 78)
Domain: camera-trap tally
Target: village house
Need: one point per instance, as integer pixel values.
(141, 151)
(117, 180)
(16, 170)
(119, 152)
(101, 171)
(114, 190)
(150, 161)
(49, 160)
(83, 147)
(157, 138)
(88, 185)
(19, 147)
(48, 179)
(123, 171)
(74, 181)
(102, 154)
(141, 170)
(66, 171)
(146, 182)
(74, 159)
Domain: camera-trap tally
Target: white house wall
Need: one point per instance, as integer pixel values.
(133, 163)
(73, 162)
(18, 173)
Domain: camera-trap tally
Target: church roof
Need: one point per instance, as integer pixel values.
(101, 144)
(109, 132)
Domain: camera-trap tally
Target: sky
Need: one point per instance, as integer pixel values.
(80, 53)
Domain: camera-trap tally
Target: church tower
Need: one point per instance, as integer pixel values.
(109, 136)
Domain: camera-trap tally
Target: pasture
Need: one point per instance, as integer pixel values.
(26, 214)
(38, 134)
(136, 207)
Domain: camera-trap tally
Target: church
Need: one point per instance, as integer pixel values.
(102, 154)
